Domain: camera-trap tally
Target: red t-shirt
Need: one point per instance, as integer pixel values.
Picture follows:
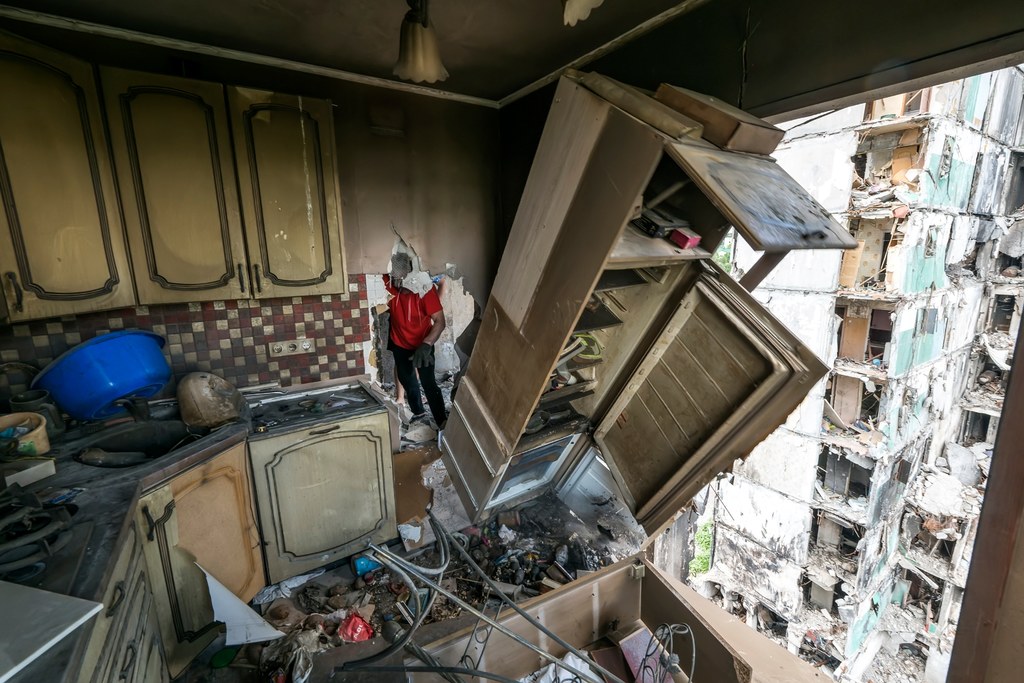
(410, 314)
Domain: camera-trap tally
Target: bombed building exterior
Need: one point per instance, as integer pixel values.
(847, 534)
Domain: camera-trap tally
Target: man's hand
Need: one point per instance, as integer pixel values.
(423, 355)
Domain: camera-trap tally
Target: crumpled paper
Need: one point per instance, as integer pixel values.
(284, 588)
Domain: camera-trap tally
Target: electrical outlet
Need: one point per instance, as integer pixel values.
(290, 347)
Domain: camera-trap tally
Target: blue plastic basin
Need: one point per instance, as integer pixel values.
(86, 380)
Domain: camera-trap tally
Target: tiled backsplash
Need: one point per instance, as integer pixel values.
(228, 338)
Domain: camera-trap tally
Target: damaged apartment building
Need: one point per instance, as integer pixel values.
(847, 534)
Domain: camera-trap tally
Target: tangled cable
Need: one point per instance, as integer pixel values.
(661, 648)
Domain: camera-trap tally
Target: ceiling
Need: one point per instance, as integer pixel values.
(491, 48)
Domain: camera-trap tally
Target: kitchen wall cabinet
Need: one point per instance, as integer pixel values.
(204, 515)
(692, 372)
(284, 148)
(323, 492)
(125, 643)
(172, 148)
(61, 241)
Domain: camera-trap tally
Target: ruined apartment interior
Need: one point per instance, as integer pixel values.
(200, 202)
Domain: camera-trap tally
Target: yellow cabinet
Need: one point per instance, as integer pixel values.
(203, 516)
(323, 492)
(172, 148)
(61, 244)
(284, 148)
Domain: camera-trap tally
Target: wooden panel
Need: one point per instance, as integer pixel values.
(284, 147)
(230, 550)
(510, 366)
(721, 377)
(579, 612)
(61, 245)
(854, 341)
(770, 209)
(850, 266)
(724, 124)
(172, 148)
(323, 493)
(571, 132)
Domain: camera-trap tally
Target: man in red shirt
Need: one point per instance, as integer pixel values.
(416, 325)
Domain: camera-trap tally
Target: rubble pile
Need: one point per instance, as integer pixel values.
(527, 552)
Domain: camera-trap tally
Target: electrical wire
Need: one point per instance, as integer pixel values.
(661, 648)
(440, 530)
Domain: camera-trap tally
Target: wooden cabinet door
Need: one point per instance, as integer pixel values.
(172, 149)
(61, 243)
(284, 148)
(323, 493)
(205, 516)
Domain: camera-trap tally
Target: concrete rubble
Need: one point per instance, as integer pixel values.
(846, 535)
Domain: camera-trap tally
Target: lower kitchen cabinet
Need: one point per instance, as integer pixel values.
(125, 642)
(323, 492)
(205, 516)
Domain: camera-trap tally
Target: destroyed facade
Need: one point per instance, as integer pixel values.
(847, 533)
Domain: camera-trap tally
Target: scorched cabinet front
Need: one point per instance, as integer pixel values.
(683, 369)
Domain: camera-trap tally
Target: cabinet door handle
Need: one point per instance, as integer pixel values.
(154, 523)
(119, 593)
(256, 278)
(241, 278)
(131, 652)
(325, 430)
(18, 298)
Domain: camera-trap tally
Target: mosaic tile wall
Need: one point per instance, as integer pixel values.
(228, 338)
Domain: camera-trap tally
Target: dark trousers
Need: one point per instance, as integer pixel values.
(406, 372)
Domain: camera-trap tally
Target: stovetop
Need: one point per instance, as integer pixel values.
(31, 534)
(282, 412)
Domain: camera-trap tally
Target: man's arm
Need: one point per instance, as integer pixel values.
(438, 327)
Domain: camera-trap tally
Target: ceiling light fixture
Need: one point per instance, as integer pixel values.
(419, 59)
(574, 11)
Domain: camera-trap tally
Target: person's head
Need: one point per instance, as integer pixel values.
(401, 265)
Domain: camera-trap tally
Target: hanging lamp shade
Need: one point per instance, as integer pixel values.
(419, 59)
(574, 11)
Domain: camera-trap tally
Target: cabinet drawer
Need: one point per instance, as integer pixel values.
(115, 607)
(120, 660)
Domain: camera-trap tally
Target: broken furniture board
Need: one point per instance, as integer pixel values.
(850, 266)
(724, 125)
(635, 103)
(582, 612)
(770, 209)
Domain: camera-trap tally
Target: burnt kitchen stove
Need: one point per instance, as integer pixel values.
(286, 411)
(31, 534)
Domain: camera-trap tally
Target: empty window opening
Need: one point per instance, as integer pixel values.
(935, 536)
(841, 475)
(879, 334)
(1002, 313)
(1015, 179)
(976, 428)
(849, 537)
(769, 621)
(1009, 266)
(925, 592)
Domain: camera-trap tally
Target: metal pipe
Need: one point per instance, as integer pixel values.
(511, 603)
(440, 670)
(414, 570)
(399, 644)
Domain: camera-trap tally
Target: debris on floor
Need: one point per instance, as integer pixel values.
(526, 551)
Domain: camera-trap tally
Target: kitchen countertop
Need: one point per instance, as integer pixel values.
(108, 501)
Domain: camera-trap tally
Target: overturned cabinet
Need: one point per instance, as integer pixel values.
(681, 371)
